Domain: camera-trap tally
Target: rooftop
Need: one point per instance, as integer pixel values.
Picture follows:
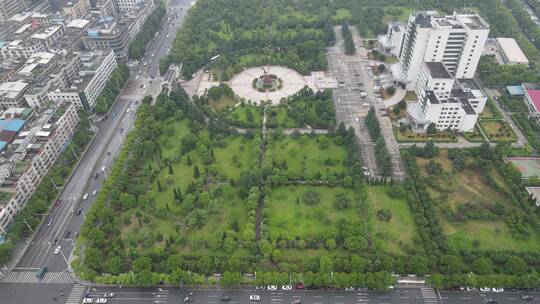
(437, 70)
(12, 89)
(533, 91)
(78, 23)
(48, 32)
(511, 50)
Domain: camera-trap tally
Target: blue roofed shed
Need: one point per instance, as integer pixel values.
(516, 90)
(15, 125)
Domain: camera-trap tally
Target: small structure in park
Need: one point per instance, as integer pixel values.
(267, 82)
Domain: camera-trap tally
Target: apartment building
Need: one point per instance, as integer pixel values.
(96, 70)
(30, 145)
(447, 102)
(12, 93)
(126, 5)
(8, 8)
(109, 34)
(456, 40)
(31, 38)
(77, 8)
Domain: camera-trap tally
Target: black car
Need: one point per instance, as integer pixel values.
(79, 212)
(491, 301)
(226, 299)
(68, 233)
(296, 302)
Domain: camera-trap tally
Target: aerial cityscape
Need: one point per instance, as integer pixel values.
(276, 151)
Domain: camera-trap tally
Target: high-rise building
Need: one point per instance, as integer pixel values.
(455, 40)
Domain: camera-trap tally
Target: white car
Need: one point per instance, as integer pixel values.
(497, 289)
(57, 249)
(254, 298)
(109, 295)
(485, 289)
(103, 169)
(286, 287)
(101, 301)
(94, 193)
(88, 301)
(85, 196)
(272, 287)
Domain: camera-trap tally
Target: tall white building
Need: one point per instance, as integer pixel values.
(9, 8)
(455, 40)
(97, 68)
(447, 102)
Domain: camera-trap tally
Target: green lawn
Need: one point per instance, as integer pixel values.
(342, 14)
(475, 135)
(290, 219)
(498, 130)
(240, 116)
(278, 117)
(305, 156)
(221, 103)
(400, 229)
(228, 212)
(469, 186)
(409, 136)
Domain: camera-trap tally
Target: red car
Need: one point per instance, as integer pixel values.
(300, 286)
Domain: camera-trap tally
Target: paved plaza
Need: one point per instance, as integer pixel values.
(242, 83)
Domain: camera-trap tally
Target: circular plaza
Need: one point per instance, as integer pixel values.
(267, 83)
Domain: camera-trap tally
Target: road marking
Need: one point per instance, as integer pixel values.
(510, 298)
(211, 302)
(317, 296)
(339, 296)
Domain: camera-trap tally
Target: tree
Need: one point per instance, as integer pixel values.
(432, 128)
(381, 67)
(326, 265)
(482, 266)
(204, 265)
(311, 197)
(342, 201)
(390, 90)
(450, 264)
(515, 265)
(196, 172)
(231, 279)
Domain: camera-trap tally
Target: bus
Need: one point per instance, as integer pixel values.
(41, 273)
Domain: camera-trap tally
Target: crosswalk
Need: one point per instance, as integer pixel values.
(30, 277)
(76, 294)
(428, 295)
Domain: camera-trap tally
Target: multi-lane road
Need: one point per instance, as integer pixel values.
(61, 225)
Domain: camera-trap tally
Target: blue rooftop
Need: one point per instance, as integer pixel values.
(516, 90)
(3, 145)
(15, 125)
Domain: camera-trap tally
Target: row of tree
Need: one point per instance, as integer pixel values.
(349, 42)
(137, 47)
(114, 86)
(27, 219)
(384, 162)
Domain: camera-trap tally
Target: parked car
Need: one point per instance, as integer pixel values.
(485, 289)
(68, 233)
(57, 249)
(101, 301)
(188, 299)
(286, 287)
(300, 286)
(226, 299)
(497, 289)
(88, 301)
(272, 287)
(79, 212)
(85, 196)
(254, 298)
(527, 297)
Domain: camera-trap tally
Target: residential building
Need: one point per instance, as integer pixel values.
(97, 68)
(77, 8)
(30, 143)
(447, 102)
(126, 5)
(532, 99)
(9, 8)
(12, 93)
(104, 8)
(456, 40)
(510, 51)
(108, 34)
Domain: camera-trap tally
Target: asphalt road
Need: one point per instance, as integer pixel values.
(95, 164)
